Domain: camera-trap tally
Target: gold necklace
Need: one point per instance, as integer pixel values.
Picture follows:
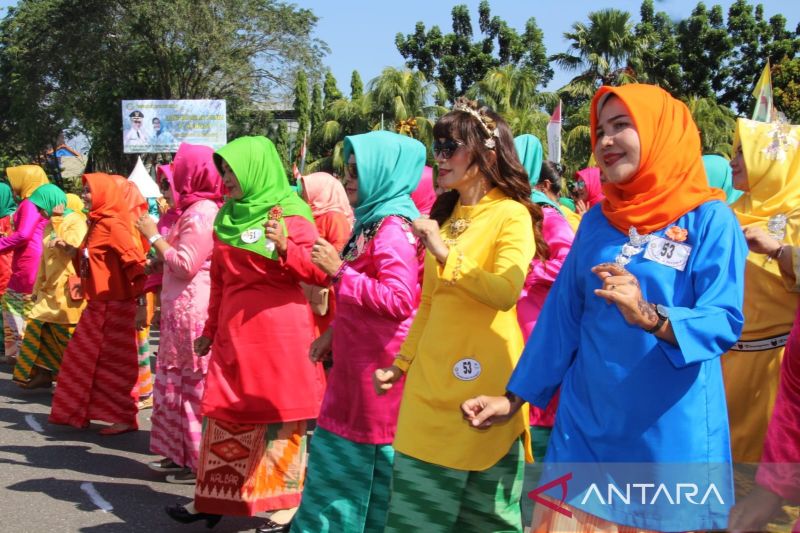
(455, 228)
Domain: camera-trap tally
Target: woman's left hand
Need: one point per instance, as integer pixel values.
(146, 226)
(274, 232)
(620, 287)
(427, 230)
(325, 257)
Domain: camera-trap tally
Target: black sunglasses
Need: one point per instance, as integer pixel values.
(445, 149)
(164, 186)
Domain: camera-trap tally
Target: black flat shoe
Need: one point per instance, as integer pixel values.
(273, 527)
(179, 513)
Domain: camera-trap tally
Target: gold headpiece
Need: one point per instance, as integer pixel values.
(489, 125)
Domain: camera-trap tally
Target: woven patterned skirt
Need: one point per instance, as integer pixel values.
(176, 421)
(144, 383)
(98, 375)
(43, 347)
(246, 469)
(347, 488)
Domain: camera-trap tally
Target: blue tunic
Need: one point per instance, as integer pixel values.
(629, 397)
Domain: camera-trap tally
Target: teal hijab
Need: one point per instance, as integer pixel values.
(7, 204)
(48, 197)
(720, 175)
(240, 223)
(567, 202)
(389, 169)
(531, 154)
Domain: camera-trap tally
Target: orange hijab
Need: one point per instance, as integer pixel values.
(107, 201)
(137, 206)
(671, 179)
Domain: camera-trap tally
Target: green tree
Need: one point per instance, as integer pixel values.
(356, 85)
(606, 51)
(786, 83)
(332, 93)
(716, 123)
(56, 78)
(302, 106)
(457, 62)
(704, 47)
(660, 61)
(317, 115)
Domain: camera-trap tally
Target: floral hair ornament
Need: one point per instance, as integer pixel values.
(676, 234)
(276, 213)
(481, 113)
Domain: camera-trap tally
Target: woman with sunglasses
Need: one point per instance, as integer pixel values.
(449, 476)
(632, 332)
(260, 389)
(186, 284)
(377, 291)
(588, 189)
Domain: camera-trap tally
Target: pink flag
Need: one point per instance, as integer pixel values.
(554, 135)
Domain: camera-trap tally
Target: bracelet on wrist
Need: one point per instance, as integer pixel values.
(153, 238)
(777, 253)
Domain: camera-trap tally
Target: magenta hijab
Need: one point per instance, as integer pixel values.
(424, 196)
(168, 219)
(594, 189)
(195, 176)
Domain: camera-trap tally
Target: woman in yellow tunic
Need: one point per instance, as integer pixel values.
(449, 476)
(766, 166)
(57, 306)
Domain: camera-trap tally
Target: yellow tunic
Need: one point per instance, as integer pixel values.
(465, 339)
(573, 218)
(53, 303)
(751, 377)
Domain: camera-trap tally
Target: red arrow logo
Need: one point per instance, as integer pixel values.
(558, 482)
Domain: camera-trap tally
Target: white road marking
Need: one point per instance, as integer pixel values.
(98, 500)
(36, 426)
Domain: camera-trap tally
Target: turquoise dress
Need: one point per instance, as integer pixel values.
(634, 408)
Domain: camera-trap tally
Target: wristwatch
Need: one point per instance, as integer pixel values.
(663, 315)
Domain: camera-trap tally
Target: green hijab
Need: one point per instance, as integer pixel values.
(48, 197)
(389, 169)
(261, 177)
(720, 175)
(7, 204)
(529, 150)
(567, 202)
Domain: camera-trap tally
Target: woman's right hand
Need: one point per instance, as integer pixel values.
(321, 347)
(760, 242)
(581, 207)
(202, 345)
(385, 378)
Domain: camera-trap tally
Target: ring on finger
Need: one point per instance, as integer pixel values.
(612, 287)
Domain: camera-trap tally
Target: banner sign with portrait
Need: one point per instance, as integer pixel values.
(153, 126)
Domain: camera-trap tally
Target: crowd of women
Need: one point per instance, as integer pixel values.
(385, 353)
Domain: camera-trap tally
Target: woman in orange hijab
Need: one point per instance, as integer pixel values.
(632, 331)
(138, 206)
(99, 370)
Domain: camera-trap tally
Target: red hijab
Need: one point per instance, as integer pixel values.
(671, 179)
(424, 196)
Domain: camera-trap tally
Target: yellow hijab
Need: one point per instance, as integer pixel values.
(75, 203)
(772, 157)
(25, 179)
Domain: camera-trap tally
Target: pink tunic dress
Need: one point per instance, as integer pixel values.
(180, 374)
(559, 235)
(376, 299)
(26, 241)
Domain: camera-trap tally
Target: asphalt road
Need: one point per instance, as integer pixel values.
(58, 479)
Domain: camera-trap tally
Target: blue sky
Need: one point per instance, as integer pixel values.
(361, 33)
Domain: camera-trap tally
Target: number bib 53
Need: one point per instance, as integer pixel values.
(668, 253)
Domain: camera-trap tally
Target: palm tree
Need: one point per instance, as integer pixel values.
(511, 92)
(716, 124)
(606, 52)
